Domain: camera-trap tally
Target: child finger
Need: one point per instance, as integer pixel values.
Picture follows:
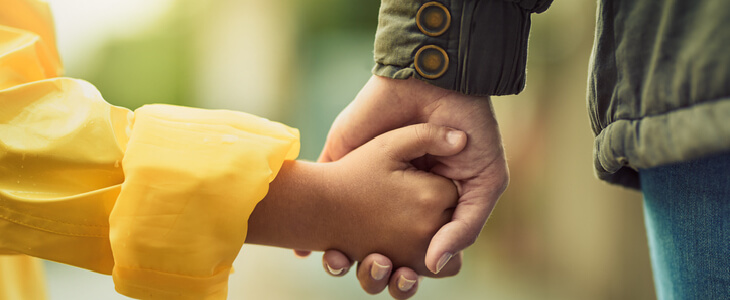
(410, 142)
(302, 253)
(336, 263)
(403, 283)
(373, 272)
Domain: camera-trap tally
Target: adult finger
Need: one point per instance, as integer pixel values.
(451, 268)
(336, 263)
(410, 142)
(403, 283)
(357, 124)
(377, 108)
(479, 197)
(374, 272)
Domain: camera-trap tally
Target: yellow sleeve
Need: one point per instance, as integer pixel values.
(27, 43)
(61, 147)
(21, 278)
(159, 197)
(193, 177)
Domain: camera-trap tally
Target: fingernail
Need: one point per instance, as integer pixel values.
(378, 271)
(404, 284)
(453, 137)
(335, 271)
(442, 261)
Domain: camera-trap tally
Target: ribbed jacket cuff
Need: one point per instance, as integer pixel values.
(485, 44)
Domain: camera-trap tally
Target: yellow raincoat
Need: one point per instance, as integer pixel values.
(159, 197)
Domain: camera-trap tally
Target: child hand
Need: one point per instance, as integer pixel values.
(373, 200)
(378, 202)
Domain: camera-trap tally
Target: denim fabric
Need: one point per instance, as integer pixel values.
(687, 215)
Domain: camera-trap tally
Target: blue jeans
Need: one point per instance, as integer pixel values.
(687, 216)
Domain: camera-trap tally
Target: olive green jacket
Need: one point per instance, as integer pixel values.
(658, 84)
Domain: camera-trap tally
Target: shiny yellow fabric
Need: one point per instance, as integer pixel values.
(19, 275)
(27, 43)
(193, 177)
(159, 197)
(60, 171)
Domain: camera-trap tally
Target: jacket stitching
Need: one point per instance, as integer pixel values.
(13, 220)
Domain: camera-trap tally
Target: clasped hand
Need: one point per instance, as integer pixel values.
(479, 172)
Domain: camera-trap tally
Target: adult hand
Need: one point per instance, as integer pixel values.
(479, 171)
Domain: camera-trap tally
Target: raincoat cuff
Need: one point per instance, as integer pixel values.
(192, 179)
(151, 284)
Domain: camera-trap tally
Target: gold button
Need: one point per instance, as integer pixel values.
(433, 19)
(431, 61)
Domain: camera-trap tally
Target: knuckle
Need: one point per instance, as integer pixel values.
(502, 180)
(429, 198)
(381, 141)
(439, 194)
(470, 239)
(498, 177)
(424, 133)
(385, 145)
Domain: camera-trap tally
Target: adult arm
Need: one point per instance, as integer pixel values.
(455, 51)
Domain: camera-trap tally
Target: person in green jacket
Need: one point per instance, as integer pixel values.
(659, 104)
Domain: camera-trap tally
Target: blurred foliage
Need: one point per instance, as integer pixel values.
(319, 16)
(151, 67)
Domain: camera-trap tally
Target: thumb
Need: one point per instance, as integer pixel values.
(410, 142)
(475, 205)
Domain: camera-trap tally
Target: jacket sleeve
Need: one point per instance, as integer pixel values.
(159, 197)
(476, 47)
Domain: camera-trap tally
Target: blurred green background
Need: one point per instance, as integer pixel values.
(557, 233)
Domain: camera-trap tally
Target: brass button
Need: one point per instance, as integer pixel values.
(431, 61)
(433, 19)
